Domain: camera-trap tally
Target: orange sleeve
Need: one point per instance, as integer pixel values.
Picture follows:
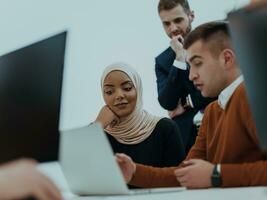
(247, 174)
(149, 177)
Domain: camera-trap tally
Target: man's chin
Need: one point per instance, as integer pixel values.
(204, 94)
(208, 95)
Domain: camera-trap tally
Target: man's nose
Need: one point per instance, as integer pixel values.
(173, 27)
(192, 74)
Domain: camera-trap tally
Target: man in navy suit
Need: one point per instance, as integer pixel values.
(176, 93)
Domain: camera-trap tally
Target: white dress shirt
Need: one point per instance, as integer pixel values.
(179, 64)
(225, 95)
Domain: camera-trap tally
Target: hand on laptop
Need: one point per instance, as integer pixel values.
(106, 117)
(127, 166)
(21, 179)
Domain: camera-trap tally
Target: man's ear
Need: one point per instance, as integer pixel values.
(227, 58)
(191, 16)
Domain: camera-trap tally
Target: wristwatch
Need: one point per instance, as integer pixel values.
(216, 179)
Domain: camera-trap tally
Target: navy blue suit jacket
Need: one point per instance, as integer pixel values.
(174, 84)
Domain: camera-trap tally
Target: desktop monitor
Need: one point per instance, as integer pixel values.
(248, 28)
(30, 94)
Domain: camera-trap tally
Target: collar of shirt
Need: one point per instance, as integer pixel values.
(225, 95)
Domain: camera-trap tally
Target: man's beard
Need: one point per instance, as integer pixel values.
(188, 30)
(183, 33)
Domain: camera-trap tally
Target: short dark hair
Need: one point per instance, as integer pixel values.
(215, 33)
(170, 4)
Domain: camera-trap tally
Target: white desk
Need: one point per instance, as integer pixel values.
(53, 170)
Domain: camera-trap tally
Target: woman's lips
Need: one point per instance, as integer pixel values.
(121, 105)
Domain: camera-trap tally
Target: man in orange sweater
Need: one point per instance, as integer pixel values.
(226, 152)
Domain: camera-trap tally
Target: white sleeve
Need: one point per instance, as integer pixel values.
(180, 65)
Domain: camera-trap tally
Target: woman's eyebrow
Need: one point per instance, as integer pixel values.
(124, 83)
(127, 82)
(108, 85)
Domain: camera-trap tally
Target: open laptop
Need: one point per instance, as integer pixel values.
(30, 95)
(90, 167)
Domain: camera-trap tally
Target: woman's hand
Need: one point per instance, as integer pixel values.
(106, 117)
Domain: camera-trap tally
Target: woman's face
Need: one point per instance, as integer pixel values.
(119, 93)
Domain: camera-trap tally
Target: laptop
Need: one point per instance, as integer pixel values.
(89, 166)
(30, 95)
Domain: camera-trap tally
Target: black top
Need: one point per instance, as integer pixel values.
(162, 148)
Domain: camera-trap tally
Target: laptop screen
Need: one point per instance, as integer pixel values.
(249, 29)
(30, 93)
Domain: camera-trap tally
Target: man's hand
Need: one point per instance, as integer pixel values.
(177, 46)
(21, 179)
(196, 173)
(177, 111)
(127, 166)
(106, 117)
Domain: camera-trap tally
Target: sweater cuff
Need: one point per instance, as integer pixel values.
(231, 176)
(138, 177)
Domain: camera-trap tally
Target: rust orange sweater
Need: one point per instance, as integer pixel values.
(227, 137)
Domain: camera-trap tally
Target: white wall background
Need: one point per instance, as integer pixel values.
(100, 32)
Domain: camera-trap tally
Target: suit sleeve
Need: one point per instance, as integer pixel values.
(170, 89)
(173, 83)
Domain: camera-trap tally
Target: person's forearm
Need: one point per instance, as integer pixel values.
(247, 174)
(151, 177)
(173, 89)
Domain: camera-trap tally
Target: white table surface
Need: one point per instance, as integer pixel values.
(53, 170)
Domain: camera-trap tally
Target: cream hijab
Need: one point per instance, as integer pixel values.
(138, 126)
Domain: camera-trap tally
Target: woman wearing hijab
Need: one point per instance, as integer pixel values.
(147, 139)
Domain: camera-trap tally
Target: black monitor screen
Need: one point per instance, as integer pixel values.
(30, 94)
(249, 33)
